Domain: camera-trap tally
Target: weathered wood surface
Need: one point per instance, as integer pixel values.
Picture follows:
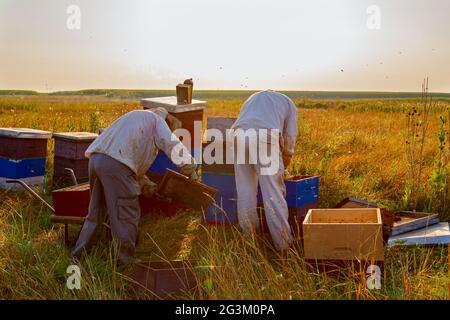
(431, 235)
(410, 221)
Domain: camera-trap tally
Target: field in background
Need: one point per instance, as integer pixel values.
(356, 145)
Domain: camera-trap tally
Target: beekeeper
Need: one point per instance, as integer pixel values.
(118, 161)
(271, 118)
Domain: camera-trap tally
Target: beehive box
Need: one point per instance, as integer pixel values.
(220, 165)
(162, 279)
(224, 209)
(80, 168)
(300, 191)
(72, 201)
(343, 234)
(23, 155)
(73, 145)
(188, 114)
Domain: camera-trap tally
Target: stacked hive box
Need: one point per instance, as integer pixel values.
(69, 153)
(191, 117)
(23, 155)
(220, 176)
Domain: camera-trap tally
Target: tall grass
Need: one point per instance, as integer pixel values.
(355, 153)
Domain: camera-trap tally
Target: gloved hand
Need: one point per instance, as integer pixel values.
(149, 189)
(190, 171)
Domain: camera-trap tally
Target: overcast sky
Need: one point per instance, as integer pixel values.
(225, 44)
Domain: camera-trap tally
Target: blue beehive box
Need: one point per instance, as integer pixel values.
(224, 208)
(163, 162)
(23, 155)
(300, 191)
(24, 168)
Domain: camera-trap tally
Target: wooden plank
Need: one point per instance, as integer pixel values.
(431, 235)
(410, 221)
(67, 220)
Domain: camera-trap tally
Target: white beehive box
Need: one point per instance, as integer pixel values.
(343, 234)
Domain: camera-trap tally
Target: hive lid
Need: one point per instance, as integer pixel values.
(171, 105)
(76, 136)
(24, 133)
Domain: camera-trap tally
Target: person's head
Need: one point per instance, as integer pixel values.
(171, 121)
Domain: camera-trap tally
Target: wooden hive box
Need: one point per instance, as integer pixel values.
(23, 155)
(72, 201)
(188, 114)
(224, 209)
(73, 145)
(166, 279)
(23, 143)
(163, 278)
(343, 234)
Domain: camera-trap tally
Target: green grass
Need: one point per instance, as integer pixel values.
(358, 150)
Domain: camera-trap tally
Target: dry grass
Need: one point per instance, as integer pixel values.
(361, 154)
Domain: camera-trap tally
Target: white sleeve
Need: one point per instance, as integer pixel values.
(169, 143)
(290, 130)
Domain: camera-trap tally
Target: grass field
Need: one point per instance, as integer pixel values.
(357, 146)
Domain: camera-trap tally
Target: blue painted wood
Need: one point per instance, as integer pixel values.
(18, 169)
(224, 210)
(163, 162)
(299, 192)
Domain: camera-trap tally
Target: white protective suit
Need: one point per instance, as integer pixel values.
(266, 110)
(137, 145)
(118, 161)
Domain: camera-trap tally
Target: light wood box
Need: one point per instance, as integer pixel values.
(343, 234)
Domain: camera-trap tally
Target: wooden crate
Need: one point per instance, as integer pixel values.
(165, 279)
(224, 209)
(80, 167)
(72, 201)
(192, 194)
(300, 190)
(73, 145)
(13, 148)
(343, 234)
(188, 114)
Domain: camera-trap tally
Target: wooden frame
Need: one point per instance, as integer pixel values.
(410, 220)
(343, 234)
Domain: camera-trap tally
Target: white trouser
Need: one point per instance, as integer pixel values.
(273, 192)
